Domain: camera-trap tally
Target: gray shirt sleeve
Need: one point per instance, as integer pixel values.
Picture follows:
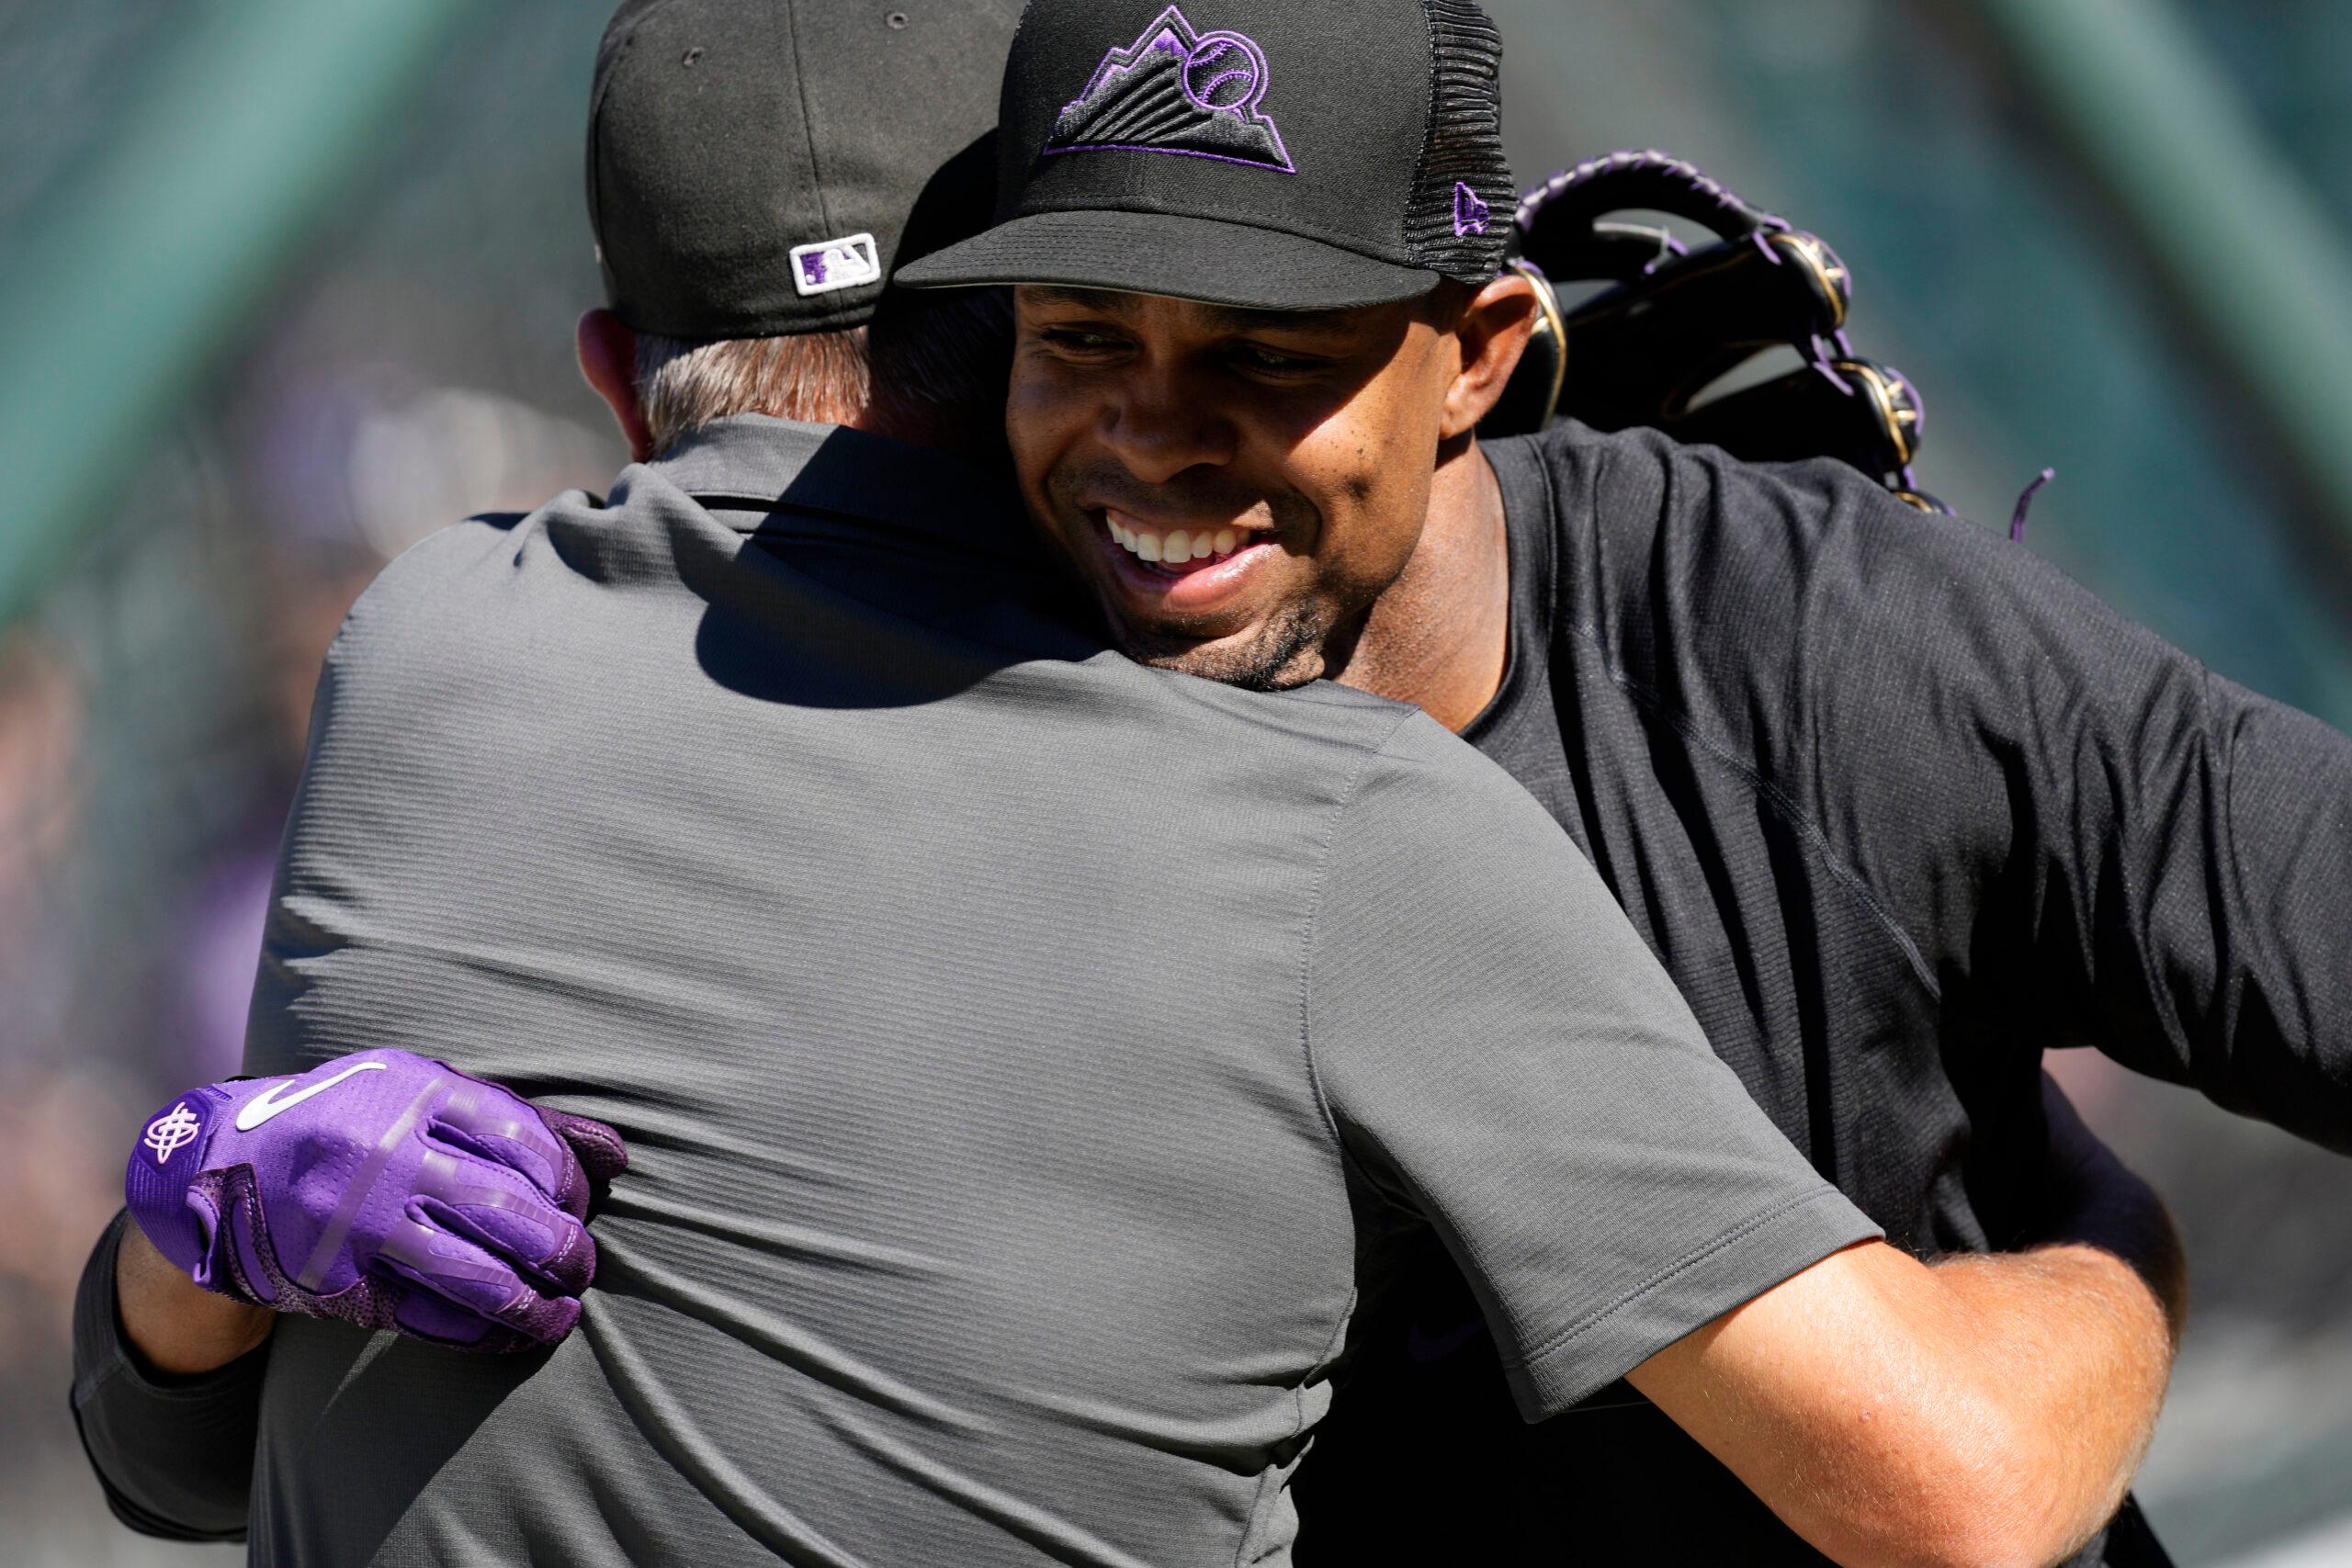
(174, 1455)
(1502, 1056)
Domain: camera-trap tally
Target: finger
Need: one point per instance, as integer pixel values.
(462, 1297)
(507, 1216)
(453, 1268)
(597, 1146)
(488, 1121)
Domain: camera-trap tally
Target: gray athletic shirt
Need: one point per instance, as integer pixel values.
(1030, 1062)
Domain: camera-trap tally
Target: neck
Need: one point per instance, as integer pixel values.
(1439, 637)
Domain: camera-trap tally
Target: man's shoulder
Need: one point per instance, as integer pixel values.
(1652, 536)
(1642, 481)
(1423, 791)
(474, 550)
(462, 583)
(1791, 628)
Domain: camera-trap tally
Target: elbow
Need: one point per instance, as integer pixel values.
(1966, 1534)
(1986, 1543)
(1984, 1492)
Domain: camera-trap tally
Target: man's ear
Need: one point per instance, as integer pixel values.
(1493, 332)
(608, 359)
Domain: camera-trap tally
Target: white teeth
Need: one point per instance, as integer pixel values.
(1178, 549)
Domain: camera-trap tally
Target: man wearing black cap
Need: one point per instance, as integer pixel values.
(1030, 1061)
(1897, 806)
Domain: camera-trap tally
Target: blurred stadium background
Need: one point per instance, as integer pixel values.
(287, 284)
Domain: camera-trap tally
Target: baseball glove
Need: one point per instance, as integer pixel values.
(1672, 323)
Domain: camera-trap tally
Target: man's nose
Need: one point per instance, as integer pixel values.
(1161, 424)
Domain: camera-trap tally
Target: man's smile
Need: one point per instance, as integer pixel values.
(1162, 570)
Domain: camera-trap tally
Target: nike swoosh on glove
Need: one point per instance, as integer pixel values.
(380, 1189)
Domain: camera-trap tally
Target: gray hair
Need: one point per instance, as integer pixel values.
(942, 362)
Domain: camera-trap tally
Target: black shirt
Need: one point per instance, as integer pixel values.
(1900, 806)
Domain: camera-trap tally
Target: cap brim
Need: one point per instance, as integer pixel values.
(1201, 259)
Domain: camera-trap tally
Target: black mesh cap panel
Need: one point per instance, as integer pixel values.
(1464, 150)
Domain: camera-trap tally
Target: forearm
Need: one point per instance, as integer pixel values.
(173, 1454)
(174, 1326)
(1893, 1414)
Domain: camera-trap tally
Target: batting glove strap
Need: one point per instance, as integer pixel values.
(163, 1168)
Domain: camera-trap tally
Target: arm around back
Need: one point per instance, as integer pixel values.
(1914, 1417)
(166, 1404)
(1502, 1057)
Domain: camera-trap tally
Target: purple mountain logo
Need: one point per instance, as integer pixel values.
(1175, 90)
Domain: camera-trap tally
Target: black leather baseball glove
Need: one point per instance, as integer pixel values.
(1673, 324)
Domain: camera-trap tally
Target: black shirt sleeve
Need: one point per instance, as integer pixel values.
(2081, 827)
(174, 1455)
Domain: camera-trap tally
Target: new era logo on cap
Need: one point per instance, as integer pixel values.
(832, 265)
(1470, 214)
(1177, 90)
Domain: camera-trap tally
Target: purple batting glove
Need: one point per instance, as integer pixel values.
(383, 1190)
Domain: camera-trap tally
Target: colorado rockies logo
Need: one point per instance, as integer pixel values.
(171, 1132)
(1177, 90)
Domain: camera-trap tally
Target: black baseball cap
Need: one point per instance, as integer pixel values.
(757, 168)
(1262, 154)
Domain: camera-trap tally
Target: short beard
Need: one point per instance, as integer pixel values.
(1289, 652)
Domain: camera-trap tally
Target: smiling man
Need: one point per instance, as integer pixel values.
(1249, 547)
(1898, 805)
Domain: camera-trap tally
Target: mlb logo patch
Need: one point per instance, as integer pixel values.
(833, 265)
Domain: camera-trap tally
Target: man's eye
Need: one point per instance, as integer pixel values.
(1079, 340)
(1250, 356)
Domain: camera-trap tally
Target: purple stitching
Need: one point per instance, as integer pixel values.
(1195, 55)
(1211, 49)
(1172, 151)
(1471, 216)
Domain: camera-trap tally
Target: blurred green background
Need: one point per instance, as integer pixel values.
(287, 284)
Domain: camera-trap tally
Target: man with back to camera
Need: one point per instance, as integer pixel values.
(760, 813)
(1897, 804)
